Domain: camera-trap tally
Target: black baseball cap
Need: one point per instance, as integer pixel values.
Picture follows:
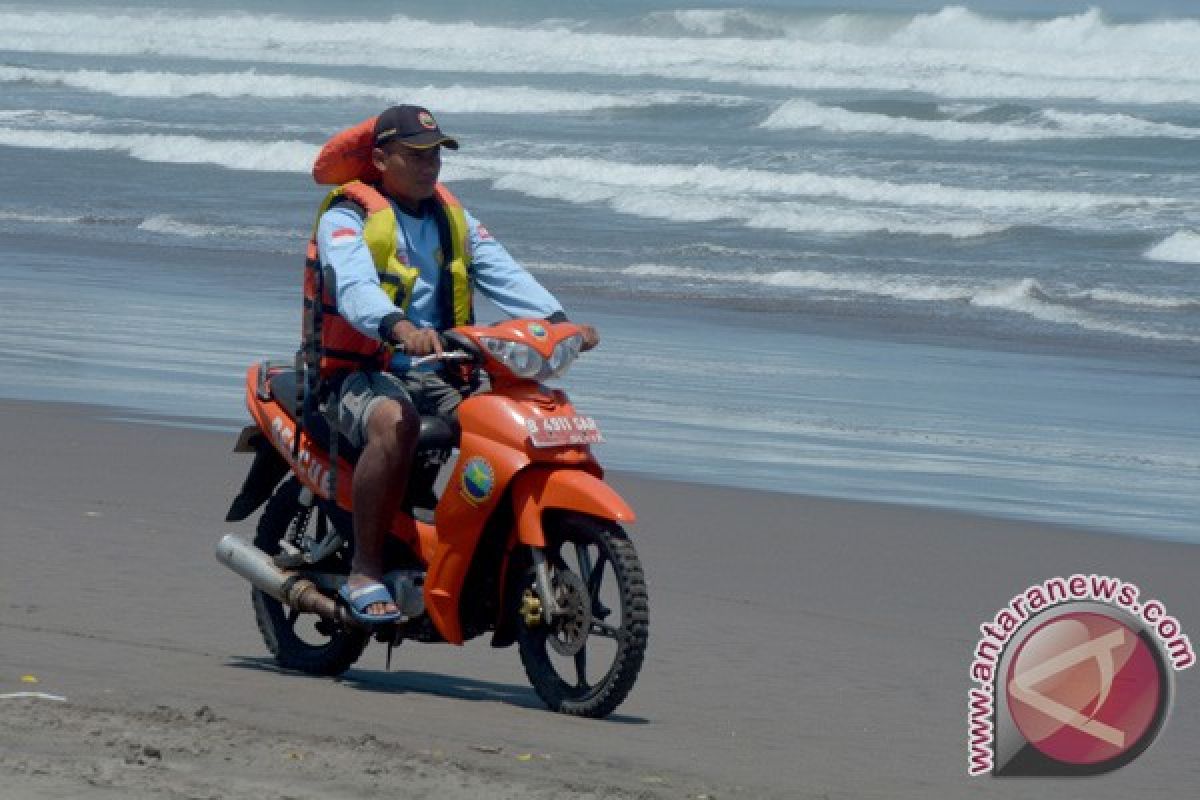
(412, 125)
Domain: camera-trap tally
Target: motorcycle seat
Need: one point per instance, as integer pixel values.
(437, 432)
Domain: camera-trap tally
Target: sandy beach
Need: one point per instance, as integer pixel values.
(799, 647)
(900, 311)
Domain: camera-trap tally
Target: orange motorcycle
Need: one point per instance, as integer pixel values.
(507, 526)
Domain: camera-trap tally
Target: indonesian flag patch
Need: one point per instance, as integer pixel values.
(341, 236)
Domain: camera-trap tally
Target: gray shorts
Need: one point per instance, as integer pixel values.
(361, 392)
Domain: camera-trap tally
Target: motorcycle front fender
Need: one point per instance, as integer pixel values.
(539, 489)
(536, 490)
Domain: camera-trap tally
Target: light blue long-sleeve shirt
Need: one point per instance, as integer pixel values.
(362, 301)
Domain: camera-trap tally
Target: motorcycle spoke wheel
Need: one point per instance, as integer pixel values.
(585, 662)
(303, 642)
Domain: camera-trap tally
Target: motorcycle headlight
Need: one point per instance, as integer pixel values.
(523, 360)
(564, 355)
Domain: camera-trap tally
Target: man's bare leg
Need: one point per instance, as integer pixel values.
(380, 478)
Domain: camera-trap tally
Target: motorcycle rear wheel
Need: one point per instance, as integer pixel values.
(296, 641)
(585, 664)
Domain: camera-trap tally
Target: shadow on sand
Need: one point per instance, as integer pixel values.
(430, 683)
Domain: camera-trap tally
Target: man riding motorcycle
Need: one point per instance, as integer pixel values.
(392, 264)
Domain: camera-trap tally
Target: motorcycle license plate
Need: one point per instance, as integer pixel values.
(561, 431)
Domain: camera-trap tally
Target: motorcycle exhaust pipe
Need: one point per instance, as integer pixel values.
(290, 589)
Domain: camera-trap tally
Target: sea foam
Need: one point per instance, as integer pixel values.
(954, 53)
(254, 84)
(155, 223)
(683, 193)
(274, 156)
(1182, 247)
(1025, 296)
(1039, 125)
(598, 178)
(172, 226)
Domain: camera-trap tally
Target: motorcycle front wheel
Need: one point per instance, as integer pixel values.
(585, 662)
(303, 642)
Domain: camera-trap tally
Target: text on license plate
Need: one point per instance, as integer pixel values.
(560, 431)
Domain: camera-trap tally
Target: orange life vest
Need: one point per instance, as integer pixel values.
(338, 346)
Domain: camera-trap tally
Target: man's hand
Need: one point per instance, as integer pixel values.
(416, 341)
(591, 336)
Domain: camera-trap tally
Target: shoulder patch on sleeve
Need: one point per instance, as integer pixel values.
(341, 236)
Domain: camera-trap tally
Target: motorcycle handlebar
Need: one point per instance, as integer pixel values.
(454, 348)
(447, 355)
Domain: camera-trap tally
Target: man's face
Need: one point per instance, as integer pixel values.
(409, 173)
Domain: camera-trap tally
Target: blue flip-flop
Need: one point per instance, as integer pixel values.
(357, 601)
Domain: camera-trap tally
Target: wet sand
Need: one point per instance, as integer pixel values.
(800, 647)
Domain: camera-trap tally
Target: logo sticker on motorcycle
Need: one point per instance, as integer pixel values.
(478, 480)
(537, 330)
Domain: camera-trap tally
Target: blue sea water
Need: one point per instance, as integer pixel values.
(939, 255)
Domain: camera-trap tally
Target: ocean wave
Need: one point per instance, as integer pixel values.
(1039, 125)
(897, 287)
(240, 154)
(1026, 296)
(723, 22)
(156, 223)
(43, 219)
(683, 193)
(254, 84)
(36, 117)
(704, 194)
(165, 223)
(954, 53)
(558, 266)
(953, 27)
(972, 81)
(1123, 297)
(1182, 247)
(592, 180)
(1113, 126)
(956, 28)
